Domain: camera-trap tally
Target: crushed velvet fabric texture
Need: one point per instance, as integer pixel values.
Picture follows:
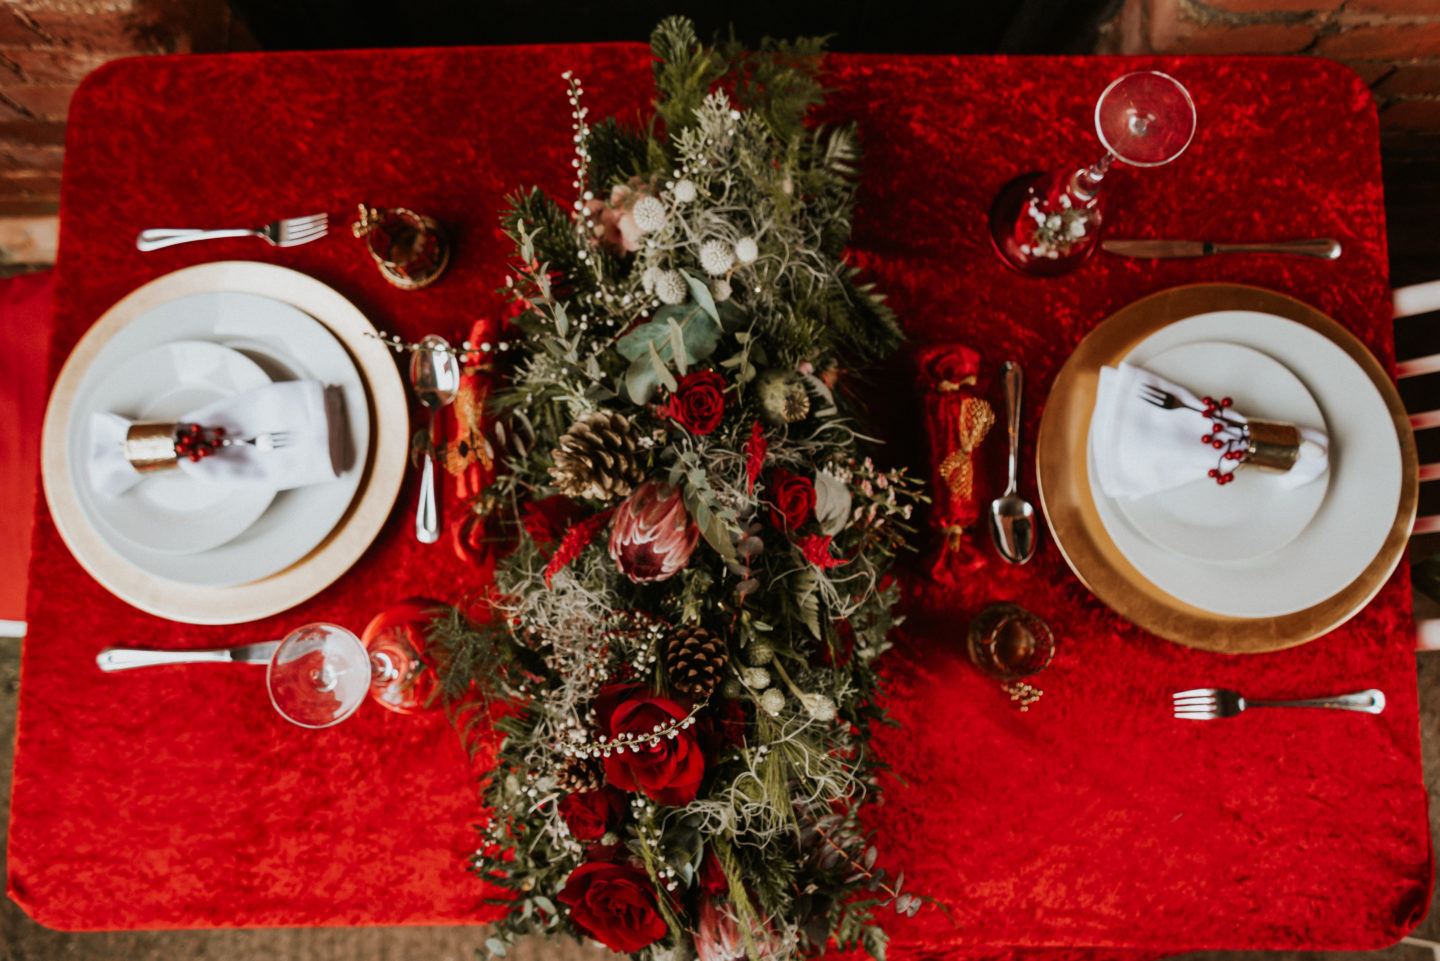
(178, 798)
(25, 304)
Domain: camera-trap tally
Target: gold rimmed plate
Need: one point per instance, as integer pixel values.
(308, 561)
(1130, 575)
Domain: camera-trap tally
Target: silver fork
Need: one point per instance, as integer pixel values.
(281, 233)
(263, 442)
(1208, 703)
(1162, 398)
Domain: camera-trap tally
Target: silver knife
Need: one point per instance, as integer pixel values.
(1325, 248)
(124, 658)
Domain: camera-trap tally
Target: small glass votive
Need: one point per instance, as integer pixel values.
(1011, 644)
(410, 249)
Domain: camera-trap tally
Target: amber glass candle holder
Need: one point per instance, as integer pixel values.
(410, 249)
(1011, 645)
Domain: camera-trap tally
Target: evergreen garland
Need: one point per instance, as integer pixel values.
(699, 289)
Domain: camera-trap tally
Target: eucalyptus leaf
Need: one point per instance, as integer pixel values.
(701, 292)
(562, 320)
(832, 502)
(640, 379)
(662, 373)
(699, 333)
(677, 346)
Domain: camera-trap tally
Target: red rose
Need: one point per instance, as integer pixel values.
(793, 497)
(668, 769)
(614, 904)
(698, 402)
(590, 814)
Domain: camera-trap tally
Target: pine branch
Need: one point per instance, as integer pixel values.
(684, 72)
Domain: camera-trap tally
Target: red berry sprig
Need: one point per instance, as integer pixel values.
(196, 443)
(1230, 437)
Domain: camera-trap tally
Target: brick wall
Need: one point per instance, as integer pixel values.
(1393, 44)
(46, 48)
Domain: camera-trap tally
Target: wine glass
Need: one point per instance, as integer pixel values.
(1048, 223)
(321, 672)
(318, 675)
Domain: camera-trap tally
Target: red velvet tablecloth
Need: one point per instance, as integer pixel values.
(178, 798)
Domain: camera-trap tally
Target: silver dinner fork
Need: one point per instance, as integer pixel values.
(1208, 703)
(281, 233)
(1162, 398)
(262, 442)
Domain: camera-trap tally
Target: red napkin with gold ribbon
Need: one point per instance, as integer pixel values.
(957, 419)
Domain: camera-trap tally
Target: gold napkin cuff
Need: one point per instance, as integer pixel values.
(1274, 446)
(150, 446)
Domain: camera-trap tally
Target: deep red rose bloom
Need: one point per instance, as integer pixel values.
(590, 814)
(614, 904)
(793, 497)
(668, 771)
(698, 402)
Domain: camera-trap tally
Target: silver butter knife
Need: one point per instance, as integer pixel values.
(124, 658)
(1323, 248)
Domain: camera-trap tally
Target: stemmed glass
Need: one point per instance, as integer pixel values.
(321, 672)
(1048, 223)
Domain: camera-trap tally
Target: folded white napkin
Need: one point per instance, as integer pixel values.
(308, 414)
(1143, 449)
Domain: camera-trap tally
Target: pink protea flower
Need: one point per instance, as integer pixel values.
(653, 535)
(718, 938)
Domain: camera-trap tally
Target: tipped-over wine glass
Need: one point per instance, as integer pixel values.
(1048, 223)
(321, 672)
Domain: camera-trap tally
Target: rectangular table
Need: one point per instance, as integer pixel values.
(178, 798)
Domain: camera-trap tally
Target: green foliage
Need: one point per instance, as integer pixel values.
(747, 211)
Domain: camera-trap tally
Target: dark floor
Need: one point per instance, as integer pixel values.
(1412, 185)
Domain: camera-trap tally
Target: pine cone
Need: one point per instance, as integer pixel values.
(694, 659)
(598, 457)
(580, 774)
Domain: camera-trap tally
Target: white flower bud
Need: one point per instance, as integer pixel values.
(670, 287)
(649, 278)
(746, 250)
(818, 706)
(684, 191)
(772, 702)
(715, 257)
(720, 290)
(755, 678)
(649, 214)
(759, 653)
(731, 688)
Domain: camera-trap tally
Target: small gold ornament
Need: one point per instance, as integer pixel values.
(410, 249)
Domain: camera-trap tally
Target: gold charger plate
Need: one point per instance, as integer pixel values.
(379, 485)
(1070, 512)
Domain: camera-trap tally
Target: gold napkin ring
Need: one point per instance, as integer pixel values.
(150, 446)
(1273, 446)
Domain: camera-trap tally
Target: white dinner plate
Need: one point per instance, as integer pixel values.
(1256, 513)
(1352, 522)
(170, 511)
(287, 344)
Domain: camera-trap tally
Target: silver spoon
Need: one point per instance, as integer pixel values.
(436, 377)
(1012, 519)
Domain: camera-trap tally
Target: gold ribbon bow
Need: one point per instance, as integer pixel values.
(958, 470)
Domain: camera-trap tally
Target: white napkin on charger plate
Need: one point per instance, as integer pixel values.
(305, 410)
(1142, 449)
